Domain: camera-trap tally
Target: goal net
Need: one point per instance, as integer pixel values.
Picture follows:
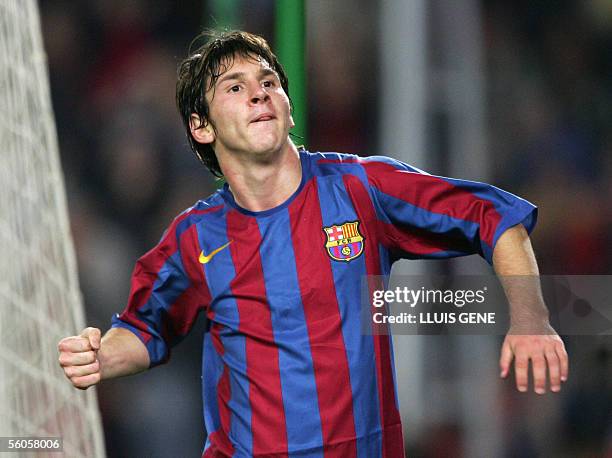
(40, 300)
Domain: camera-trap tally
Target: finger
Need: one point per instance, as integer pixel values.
(521, 370)
(505, 360)
(80, 371)
(538, 364)
(563, 361)
(74, 344)
(93, 335)
(77, 359)
(553, 369)
(86, 381)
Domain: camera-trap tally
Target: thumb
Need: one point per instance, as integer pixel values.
(93, 335)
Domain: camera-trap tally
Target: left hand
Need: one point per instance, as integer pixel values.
(543, 350)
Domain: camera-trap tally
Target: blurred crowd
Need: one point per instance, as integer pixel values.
(549, 78)
(129, 171)
(550, 105)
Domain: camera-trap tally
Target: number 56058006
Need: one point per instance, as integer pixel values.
(30, 443)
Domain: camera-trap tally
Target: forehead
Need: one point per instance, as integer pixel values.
(237, 63)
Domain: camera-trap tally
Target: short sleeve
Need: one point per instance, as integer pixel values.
(168, 290)
(427, 216)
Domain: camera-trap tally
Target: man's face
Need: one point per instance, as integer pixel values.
(249, 110)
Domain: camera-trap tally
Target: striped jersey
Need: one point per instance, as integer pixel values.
(287, 370)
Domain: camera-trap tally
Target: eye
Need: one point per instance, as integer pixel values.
(268, 83)
(235, 88)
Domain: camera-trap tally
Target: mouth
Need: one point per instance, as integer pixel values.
(264, 117)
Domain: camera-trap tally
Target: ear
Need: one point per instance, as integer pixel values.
(202, 133)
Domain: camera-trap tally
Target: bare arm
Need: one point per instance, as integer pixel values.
(530, 336)
(87, 359)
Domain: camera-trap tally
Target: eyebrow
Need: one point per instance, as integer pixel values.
(241, 75)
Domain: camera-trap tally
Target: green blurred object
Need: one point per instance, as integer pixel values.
(290, 37)
(225, 14)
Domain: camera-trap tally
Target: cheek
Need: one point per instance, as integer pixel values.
(223, 117)
(284, 102)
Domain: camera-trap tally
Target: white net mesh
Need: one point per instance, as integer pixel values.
(39, 297)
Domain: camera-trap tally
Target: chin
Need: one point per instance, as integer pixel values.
(264, 148)
(265, 153)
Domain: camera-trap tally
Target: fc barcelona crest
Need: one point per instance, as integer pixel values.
(344, 242)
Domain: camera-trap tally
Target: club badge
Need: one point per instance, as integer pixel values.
(344, 242)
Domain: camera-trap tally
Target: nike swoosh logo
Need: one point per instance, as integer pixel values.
(204, 259)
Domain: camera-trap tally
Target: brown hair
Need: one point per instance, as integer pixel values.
(199, 72)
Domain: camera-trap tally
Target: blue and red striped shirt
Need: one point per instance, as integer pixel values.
(286, 368)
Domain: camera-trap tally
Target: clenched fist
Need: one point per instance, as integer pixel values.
(78, 356)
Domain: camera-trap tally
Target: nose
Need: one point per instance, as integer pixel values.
(259, 94)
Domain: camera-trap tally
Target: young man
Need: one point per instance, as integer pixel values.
(287, 369)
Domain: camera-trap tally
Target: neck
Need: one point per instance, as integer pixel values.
(262, 185)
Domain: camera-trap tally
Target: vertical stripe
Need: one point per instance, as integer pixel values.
(324, 323)
(390, 419)
(290, 334)
(229, 344)
(268, 416)
(220, 437)
(352, 229)
(336, 207)
(157, 280)
(337, 253)
(183, 312)
(211, 360)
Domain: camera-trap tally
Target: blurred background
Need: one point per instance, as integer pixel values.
(517, 93)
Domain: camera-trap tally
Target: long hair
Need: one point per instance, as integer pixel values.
(199, 72)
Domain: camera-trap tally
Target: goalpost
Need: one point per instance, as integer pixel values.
(40, 300)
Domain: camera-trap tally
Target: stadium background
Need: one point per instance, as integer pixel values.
(546, 104)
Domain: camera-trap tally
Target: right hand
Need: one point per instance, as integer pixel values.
(78, 357)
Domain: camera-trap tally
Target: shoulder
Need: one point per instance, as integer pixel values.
(197, 212)
(330, 163)
(384, 163)
(329, 159)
